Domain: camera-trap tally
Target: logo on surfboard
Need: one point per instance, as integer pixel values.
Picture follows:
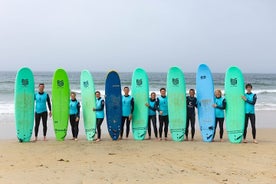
(203, 77)
(85, 84)
(25, 82)
(139, 82)
(233, 81)
(60, 83)
(175, 81)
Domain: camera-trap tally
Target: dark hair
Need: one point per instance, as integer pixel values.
(162, 89)
(97, 92)
(41, 84)
(152, 93)
(192, 90)
(73, 93)
(248, 85)
(126, 87)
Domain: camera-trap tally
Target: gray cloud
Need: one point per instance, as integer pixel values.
(123, 35)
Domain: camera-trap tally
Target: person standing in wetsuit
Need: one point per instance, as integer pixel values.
(161, 106)
(74, 115)
(191, 105)
(220, 105)
(152, 115)
(99, 113)
(250, 101)
(41, 98)
(127, 111)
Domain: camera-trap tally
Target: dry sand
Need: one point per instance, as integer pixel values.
(149, 161)
(129, 161)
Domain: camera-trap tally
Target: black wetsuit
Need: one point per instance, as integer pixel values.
(164, 118)
(73, 122)
(250, 115)
(191, 105)
(126, 119)
(42, 115)
(220, 120)
(99, 116)
(152, 118)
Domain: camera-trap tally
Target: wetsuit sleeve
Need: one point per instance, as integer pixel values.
(196, 102)
(132, 105)
(156, 106)
(78, 107)
(102, 106)
(223, 105)
(253, 101)
(49, 103)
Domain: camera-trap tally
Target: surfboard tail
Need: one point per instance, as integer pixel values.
(178, 136)
(235, 136)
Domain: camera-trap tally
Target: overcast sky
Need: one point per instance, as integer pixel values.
(100, 35)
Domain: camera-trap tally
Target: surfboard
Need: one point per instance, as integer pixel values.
(24, 104)
(88, 103)
(140, 93)
(113, 104)
(60, 103)
(235, 108)
(176, 92)
(205, 97)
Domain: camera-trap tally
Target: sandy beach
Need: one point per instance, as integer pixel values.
(148, 161)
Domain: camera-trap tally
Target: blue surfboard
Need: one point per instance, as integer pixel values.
(205, 97)
(113, 104)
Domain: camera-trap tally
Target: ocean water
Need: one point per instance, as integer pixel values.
(264, 85)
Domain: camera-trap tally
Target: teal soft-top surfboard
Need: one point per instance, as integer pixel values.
(24, 104)
(235, 108)
(140, 93)
(176, 91)
(88, 103)
(205, 98)
(60, 103)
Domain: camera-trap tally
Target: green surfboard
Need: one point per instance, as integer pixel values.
(235, 108)
(24, 104)
(88, 103)
(140, 93)
(60, 103)
(176, 91)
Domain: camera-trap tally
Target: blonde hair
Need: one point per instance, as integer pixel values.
(219, 91)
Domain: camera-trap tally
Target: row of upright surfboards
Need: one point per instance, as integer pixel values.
(176, 92)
